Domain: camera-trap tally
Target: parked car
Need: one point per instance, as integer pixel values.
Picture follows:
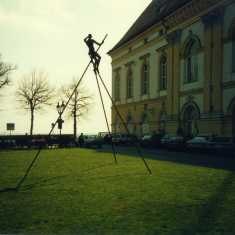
(92, 141)
(173, 142)
(38, 142)
(123, 139)
(107, 139)
(7, 143)
(153, 140)
(221, 145)
(116, 138)
(146, 141)
(198, 142)
(210, 144)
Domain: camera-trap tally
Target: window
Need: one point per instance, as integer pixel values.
(163, 73)
(129, 80)
(145, 79)
(233, 50)
(117, 87)
(191, 61)
(231, 39)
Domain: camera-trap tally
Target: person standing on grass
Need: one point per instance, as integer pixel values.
(81, 140)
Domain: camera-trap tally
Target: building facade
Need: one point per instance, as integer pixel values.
(174, 70)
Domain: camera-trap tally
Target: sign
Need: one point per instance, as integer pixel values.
(10, 126)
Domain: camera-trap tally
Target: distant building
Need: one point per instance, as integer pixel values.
(174, 70)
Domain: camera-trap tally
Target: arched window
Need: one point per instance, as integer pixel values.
(145, 79)
(129, 84)
(163, 73)
(191, 60)
(117, 87)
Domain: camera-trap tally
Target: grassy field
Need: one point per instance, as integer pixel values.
(78, 191)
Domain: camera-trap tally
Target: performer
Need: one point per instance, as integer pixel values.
(95, 57)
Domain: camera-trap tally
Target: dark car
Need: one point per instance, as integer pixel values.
(152, 141)
(221, 145)
(123, 139)
(210, 144)
(92, 141)
(173, 142)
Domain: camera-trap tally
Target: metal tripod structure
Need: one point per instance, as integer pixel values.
(98, 77)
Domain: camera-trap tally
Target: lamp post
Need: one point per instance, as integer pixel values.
(60, 109)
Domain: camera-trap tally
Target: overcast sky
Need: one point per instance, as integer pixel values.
(48, 35)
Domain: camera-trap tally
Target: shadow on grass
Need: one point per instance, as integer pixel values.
(56, 180)
(49, 181)
(195, 159)
(82, 178)
(210, 212)
(43, 182)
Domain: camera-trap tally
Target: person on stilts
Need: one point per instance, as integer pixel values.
(95, 57)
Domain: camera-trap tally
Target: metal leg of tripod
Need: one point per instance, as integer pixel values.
(105, 114)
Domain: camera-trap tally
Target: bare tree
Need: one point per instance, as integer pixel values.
(34, 92)
(5, 70)
(79, 105)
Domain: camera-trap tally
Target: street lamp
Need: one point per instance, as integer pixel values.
(60, 109)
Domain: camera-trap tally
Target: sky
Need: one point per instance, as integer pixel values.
(48, 35)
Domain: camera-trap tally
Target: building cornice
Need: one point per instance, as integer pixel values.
(192, 92)
(141, 102)
(191, 9)
(195, 8)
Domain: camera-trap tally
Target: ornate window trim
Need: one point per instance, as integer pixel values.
(192, 104)
(163, 72)
(145, 78)
(190, 115)
(231, 37)
(190, 50)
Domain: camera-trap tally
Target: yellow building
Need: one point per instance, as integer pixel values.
(174, 70)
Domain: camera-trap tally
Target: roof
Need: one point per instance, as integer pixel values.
(154, 13)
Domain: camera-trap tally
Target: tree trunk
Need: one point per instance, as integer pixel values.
(75, 116)
(75, 125)
(31, 121)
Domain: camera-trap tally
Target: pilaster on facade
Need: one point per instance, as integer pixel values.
(173, 83)
(217, 76)
(213, 60)
(208, 86)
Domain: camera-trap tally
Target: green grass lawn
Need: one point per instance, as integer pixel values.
(78, 191)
